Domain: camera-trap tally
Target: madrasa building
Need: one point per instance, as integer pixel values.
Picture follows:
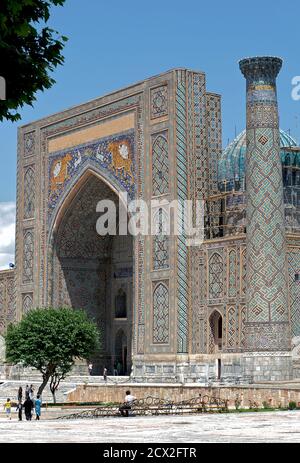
(225, 310)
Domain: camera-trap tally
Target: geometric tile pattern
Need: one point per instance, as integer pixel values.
(243, 265)
(161, 314)
(160, 252)
(7, 300)
(232, 281)
(182, 195)
(160, 166)
(216, 276)
(294, 286)
(267, 299)
(160, 243)
(27, 303)
(198, 172)
(11, 300)
(77, 236)
(231, 328)
(214, 139)
(243, 318)
(159, 101)
(29, 143)
(28, 252)
(267, 289)
(29, 193)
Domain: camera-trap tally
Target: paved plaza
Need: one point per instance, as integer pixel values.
(244, 427)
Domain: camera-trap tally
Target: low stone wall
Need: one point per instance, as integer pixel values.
(277, 396)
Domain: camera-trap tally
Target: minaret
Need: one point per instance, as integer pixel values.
(267, 326)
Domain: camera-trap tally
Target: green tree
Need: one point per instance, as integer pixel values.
(29, 52)
(50, 340)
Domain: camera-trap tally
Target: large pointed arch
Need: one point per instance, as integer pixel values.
(83, 268)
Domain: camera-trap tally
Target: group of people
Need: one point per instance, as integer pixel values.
(29, 404)
(117, 370)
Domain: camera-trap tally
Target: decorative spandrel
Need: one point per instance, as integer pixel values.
(114, 156)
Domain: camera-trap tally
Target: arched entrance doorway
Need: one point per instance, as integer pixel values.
(89, 270)
(215, 332)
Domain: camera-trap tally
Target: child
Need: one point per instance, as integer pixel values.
(7, 408)
(105, 374)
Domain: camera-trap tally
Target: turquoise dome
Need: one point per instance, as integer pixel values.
(231, 166)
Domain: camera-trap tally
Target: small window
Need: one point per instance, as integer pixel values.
(297, 277)
(120, 304)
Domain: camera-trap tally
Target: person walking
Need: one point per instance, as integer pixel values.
(37, 406)
(90, 368)
(105, 374)
(7, 408)
(28, 406)
(19, 410)
(31, 392)
(115, 369)
(27, 391)
(119, 368)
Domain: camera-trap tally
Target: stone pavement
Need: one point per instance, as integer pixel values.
(244, 427)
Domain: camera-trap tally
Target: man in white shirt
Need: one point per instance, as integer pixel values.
(124, 409)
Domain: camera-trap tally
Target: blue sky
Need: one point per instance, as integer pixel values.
(115, 43)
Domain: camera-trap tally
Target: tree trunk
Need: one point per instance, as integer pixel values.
(44, 383)
(54, 396)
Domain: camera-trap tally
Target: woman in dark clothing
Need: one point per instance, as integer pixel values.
(20, 394)
(19, 410)
(28, 406)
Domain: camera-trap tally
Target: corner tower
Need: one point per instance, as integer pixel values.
(267, 326)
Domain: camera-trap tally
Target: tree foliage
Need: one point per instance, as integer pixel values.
(29, 52)
(49, 340)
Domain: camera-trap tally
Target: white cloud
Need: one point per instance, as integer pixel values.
(7, 234)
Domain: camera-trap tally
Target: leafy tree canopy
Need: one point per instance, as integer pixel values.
(49, 340)
(29, 52)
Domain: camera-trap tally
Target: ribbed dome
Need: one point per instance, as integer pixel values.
(232, 163)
